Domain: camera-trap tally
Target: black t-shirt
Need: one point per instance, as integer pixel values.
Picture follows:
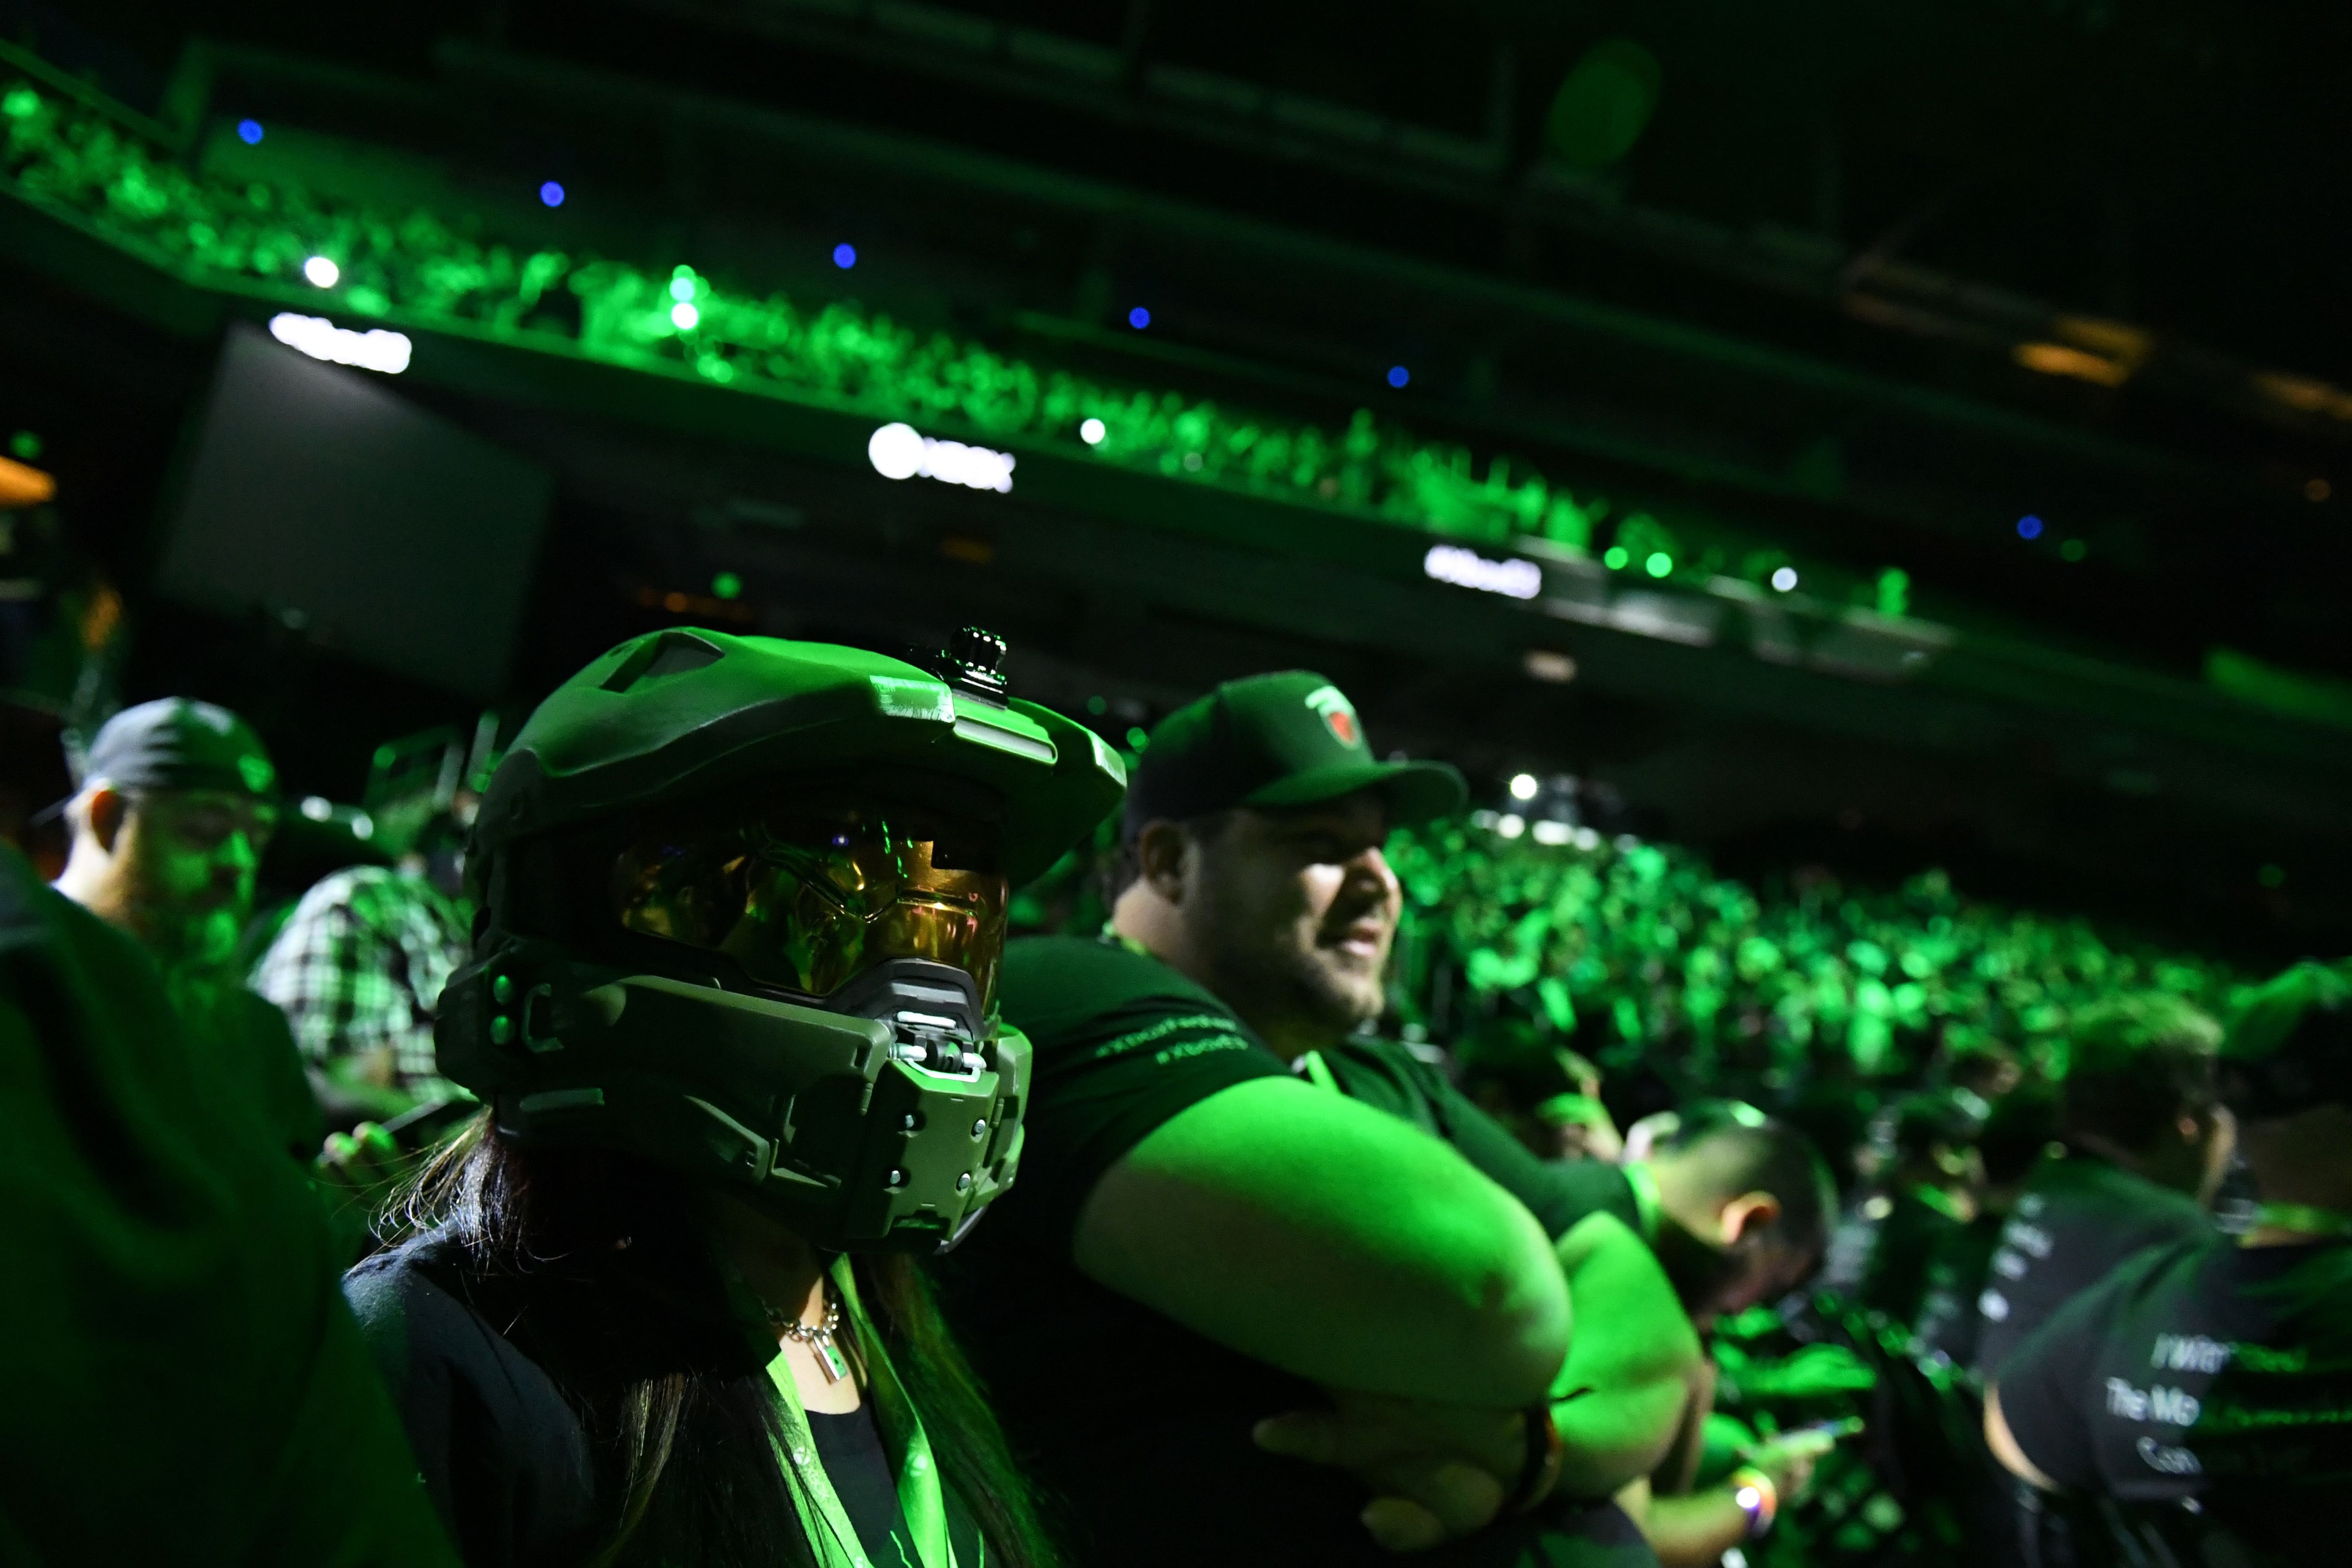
(850, 1448)
(183, 1385)
(1881, 1251)
(2080, 1216)
(504, 1456)
(1958, 1267)
(247, 1051)
(1139, 1427)
(2203, 1370)
(1557, 1193)
(480, 1364)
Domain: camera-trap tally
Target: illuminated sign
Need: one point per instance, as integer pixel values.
(1511, 577)
(374, 349)
(902, 452)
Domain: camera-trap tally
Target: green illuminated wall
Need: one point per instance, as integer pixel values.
(429, 271)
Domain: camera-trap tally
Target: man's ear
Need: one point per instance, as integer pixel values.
(1160, 859)
(1748, 1216)
(106, 810)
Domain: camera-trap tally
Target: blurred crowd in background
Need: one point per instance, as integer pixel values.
(1947, 1056)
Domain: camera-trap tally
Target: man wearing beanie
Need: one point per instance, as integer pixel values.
(177, 802)
(1213, 1229)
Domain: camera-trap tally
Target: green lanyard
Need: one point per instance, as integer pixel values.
(1645, 1197)
(1942, 1202)
(2304, 1219)
(1317, 1072)
(830, 1531)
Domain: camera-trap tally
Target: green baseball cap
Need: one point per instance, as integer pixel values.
(1286, 739)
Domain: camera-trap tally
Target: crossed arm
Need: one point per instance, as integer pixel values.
(1336, 1242)
(1634, 1350)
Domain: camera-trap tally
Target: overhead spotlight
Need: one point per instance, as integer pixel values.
(845, 255)
(321, 272)
(551, 194)
(684, 317)
(1785, 579)
(1659, 565)
(2029, 527)
(1092, 431)
(1138, 318)
(1524, 786)
(249, 133)
(1399, 375)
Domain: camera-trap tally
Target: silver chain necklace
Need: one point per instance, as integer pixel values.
(818, 1337)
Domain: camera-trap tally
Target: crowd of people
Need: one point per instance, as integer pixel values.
(648, 1103)
(485, 271)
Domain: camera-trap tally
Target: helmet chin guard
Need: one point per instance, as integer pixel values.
(886, 1121)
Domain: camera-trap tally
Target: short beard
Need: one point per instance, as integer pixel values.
(1280, 990)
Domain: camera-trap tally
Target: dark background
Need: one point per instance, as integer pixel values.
(1794, 304)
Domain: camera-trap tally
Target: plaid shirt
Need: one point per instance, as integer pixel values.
(359, 966)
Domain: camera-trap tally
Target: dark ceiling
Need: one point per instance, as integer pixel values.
(1794, 307)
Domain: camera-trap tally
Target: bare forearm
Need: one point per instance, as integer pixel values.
(1635, 1351)
(1694, 1532)
(1611, 1436)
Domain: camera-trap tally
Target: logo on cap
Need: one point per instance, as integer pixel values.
(1338, 713)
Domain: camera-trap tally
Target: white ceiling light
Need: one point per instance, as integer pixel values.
(1511, 576)
(902, 452)
(374, 349)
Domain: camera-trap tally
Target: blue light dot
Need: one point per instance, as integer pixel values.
(1138, 318)
(249, 133)
(551, 194)
(845, 255)
(2029, 527)
(1399, 375)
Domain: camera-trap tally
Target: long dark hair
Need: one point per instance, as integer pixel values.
(591, 1262)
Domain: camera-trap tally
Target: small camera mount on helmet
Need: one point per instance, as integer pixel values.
(972, 663)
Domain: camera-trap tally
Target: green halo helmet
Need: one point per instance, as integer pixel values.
(743, 902)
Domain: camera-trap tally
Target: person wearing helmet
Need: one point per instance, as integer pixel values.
(732, 1013)
(2203, 1392)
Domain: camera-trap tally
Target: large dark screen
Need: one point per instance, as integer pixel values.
(404, 540)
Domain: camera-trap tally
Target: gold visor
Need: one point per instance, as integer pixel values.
(806, 896)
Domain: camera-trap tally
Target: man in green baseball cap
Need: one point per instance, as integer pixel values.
(1234, 1207)
(177, 804)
